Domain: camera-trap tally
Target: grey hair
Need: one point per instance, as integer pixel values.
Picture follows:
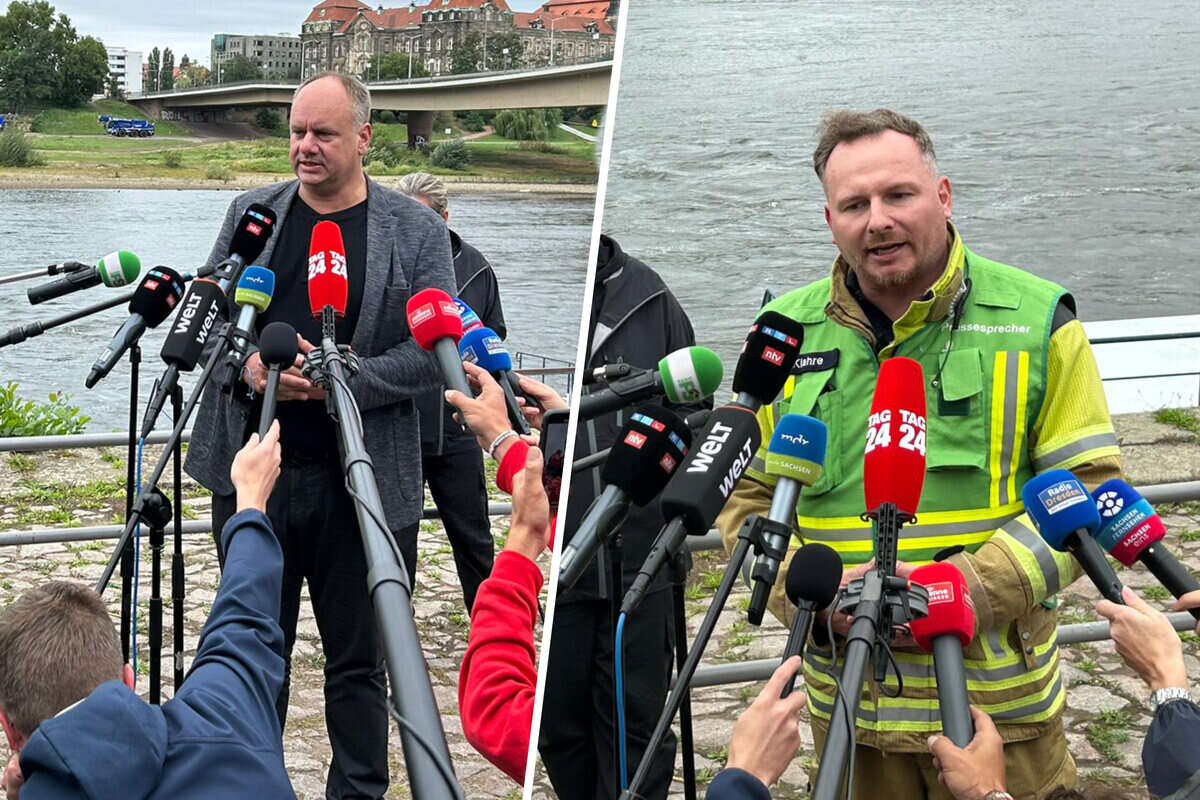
(421, 184)
(846, 126)
(356, 90)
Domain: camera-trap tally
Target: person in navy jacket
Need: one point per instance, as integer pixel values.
(67, 704)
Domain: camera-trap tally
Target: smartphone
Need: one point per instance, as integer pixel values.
(554, 445)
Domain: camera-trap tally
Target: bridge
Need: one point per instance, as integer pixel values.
(571, 85)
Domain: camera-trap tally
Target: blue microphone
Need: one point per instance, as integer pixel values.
(470, 319)
(253, 294)
(796, 456)
(484, 348)
(1065, 515)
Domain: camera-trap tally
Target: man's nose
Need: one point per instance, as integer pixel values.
(880, 218)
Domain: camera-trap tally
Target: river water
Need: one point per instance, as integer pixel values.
(1070, 133)
(537, 243)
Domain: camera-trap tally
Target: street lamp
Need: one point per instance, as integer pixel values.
(552, 23)
(409, 38)
(505, 52)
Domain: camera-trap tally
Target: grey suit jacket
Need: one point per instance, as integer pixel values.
(408, 249)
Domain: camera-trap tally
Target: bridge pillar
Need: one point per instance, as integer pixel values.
(420, 123)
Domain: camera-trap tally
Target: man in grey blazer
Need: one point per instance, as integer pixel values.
(394, 246)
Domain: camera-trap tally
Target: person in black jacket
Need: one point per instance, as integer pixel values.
(635, 319)
(451, 460)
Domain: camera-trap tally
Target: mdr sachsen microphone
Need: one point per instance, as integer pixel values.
(646, 454)
(945, 631)
(1131, 531)
(115, 269)
(152, 302)
(700, 488)
(685, 376)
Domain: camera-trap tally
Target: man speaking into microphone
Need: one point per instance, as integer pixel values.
(1011, 390)
(394, 247)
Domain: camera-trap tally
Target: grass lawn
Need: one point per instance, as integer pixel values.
(83, 120)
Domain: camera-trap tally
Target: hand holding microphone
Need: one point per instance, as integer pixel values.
(975, 771)
(1146, 640)
(484, 413)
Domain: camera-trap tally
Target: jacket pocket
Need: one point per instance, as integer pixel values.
(956, 412)
(814, 394)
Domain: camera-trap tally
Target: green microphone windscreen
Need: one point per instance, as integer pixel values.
(690, 374)
(119, 268)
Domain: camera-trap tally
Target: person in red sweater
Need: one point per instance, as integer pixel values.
(497, 683)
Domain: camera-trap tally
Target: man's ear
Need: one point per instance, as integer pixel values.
(446, 216)
(16, 739)
(127, 677)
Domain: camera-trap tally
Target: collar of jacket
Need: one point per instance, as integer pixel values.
(935, 306)
(616, 259)
(455, 240)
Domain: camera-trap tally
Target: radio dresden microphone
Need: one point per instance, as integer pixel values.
(436, 326)
(699, 490)
(685, 376)
(811, 584)
(1066, 517)
(1131, 531)
(252, 295)
(484, 348)
(277, 347)
(646, 454)
(949, 627)
(796, 457)
(115, 269)
(151, 303)
(894, 457)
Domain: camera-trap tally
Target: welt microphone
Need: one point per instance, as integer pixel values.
(433, 319)
(1131, 531)
(685, 376)
(700, 488)
(894, 455)
(277, 347)
(484, 348)
(1066, 517)
(646, 454)
(811, 584)
(949, 627)
(151, 303)
(115, 269)
(796, 457)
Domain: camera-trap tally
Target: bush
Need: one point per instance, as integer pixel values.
(473, 122)
(383, 153)
(269, 120)
(219, 172)
(451, 154)
(524, 124)
(387, 117)
(20, 417)
(16, 151)
(173, 158)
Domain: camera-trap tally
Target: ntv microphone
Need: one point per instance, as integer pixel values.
(948, 628)
(436, 326)
(811, 584)
(700, 488)
(1131, 531)
(484, 348)
(685, 376)
(646, 454)
(796, 456)
(151, 303)
(277, 346)
(250, 238)
(115, 269)
(1066, 517)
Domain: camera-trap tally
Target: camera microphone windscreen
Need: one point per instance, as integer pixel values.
(255, 288)
(198, 313)
(647, 452)
(690, 374)
(470, 320)
(894, 456)
(1128, 523)
(797, 449)
(813, 575)
(951, 610)
(432, 316)
(252, 233)
(157, 295)
(119, 268)
(277, 345)
(1060, 506)
(767, 356)
(484, 348)
(328, 284)
(114, 269)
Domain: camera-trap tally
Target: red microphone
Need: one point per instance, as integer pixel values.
(328, 283)
(894, 458)
(434, 321)
(949, 627)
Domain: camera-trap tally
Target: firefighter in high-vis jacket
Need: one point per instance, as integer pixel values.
(1012, 390)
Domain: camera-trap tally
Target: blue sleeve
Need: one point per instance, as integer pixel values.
(736, 784)
(1170, 754)
(238, 670)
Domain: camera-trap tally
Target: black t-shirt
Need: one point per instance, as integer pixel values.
(305, 428)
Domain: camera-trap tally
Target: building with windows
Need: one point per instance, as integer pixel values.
(278, 55)
(461, 36)
(126, 65)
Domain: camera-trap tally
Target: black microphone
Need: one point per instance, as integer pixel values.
(114, 269)
(151, 303)
(54, 269)
(277, 347)
(812, 583)
(646, 454)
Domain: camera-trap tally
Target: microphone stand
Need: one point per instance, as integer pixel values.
(687, 746)
(616, 582)
(157, 513)
(135, 358)
(430, 774)
(878, 602)
(177, 576)
(20, 333)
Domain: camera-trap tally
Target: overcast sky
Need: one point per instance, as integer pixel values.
(186, 26)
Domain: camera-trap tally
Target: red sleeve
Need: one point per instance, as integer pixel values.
(513, 462)
(498, 679)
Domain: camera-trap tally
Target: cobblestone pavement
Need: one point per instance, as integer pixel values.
(86, 487)
(1106, 715)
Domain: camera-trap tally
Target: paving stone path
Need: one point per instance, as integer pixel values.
(86, 487)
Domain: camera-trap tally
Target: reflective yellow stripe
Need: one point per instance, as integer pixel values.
(997, 427)
(906, 542)
(1018, 421)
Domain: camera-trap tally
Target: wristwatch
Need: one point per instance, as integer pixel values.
(998, 794)
(1168, 695)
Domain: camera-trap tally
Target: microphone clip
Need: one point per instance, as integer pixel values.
(314, 365)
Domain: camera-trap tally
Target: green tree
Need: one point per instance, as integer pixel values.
(527, 124)
(240, 68)
(153, 62)
(43, 60)
(82, 73)
(496, 45)
(391, 67)
(166, 80)
(113, 89)
(192, 75)
(468, 55)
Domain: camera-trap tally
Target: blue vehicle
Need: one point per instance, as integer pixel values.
(129, 127)
(1, 122)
